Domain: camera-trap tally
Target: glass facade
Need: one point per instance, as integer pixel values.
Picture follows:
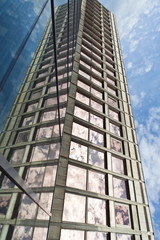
(70, 135)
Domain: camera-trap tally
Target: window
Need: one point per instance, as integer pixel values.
(23, 137)
(80, 131)
(27, 121)
(46, 116)
(78, 152)
(96, 158)
(122, 214)
(119, 188)
(124, 237)
(115, 129)
(97, 106)
(4, 202)
(118, 165)
(96, 120)
(32, 107)
(79, 112)
(96, 138)
(76, 177)
(113, 115)
(19, 232)
(71, 234)
(116, 145)
(35, 94)
(96, 182)
(112, 91)
(17, 155)
(96, 211)
(113, 102)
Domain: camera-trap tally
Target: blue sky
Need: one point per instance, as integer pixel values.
(139, 30)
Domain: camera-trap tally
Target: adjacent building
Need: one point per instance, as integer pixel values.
(71, 136)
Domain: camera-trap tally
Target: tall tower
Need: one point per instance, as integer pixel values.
(71, 136)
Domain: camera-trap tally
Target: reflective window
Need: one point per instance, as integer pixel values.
(27, 208)
(36, 94)
(113, 114)
(119, 188)
(97, 106)
(124, 237)
(4, 202)
(39, 84)
(32, 107)
(40, 233)
(96, 120)
(96, 182)
(96, 211)
(113, 102)
(115, 129)
(17, 155)
(46, 200)
(111, 81)
(21, 232)
(96, 236)
(96, 82)
(116, 145)
(82, 98)
(96, 93)
(71, 235)
(84, 74)
(28, 121)
(80, 131)
(110, 90)
(122, 214)
(96, 158)
(78, 152)
(46, 116)
(23, 137)
(79, 112)
(83, 85)
(118, 165)
(76, 177)
(96, 138)
(74, 208)
(44, 133)
(51, 101)
(51, 89)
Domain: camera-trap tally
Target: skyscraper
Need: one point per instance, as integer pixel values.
(71, 136)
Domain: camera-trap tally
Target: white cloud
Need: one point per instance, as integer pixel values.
(137, 99)
(129, 65)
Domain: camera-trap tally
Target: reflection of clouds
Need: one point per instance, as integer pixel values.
(46, 200)
(116, 145)
(96, 120)
(44, 152)
(62, 112)
(51, 101)
(96, 158)
(80, 131)
(96, 138)
(96, 182)
(40, 233)
(71, 235)
(96, 236)
(44, 133)
(32, 107)
(123, 237)
(117, 165)
(96, 211)
(54, 151)
(115, 129)
(119, 187)
(97, 106)
(78, 152)
(4, 202)
(74, 208)
(7, 183)
(27, 208)
(48, 116)
(97, 93)
(50, 175)
(122, 214)
(82, 98)
(22, 233)
(17, 156)
(112, 102)
(76, 177)
(113, 114)
(79, 112)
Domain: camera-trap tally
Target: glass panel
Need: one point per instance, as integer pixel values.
(35, 94)
(96, 93)
(50, 175)
(110, 90)
(96, 211)
(40, 233)
(96, 236)
(97, 106)
(113, 102)
(82, 98)
(74, 208)
(23, 137)
(115, 129)
(17, 155)
(28, 121)
(117, 165)
(96, 182)
(96, 138)
(123, 237)
(114, 115)
(122, 214)
(96, 158)
(80, 131)
(71, 235)
(4, 202)
(97, 82)
(40, 153)
(44, 133)
(78, 152)
(96, 120)
(54, 151)
(116, 145)
(21, 232)
(32, 107)
(27, 208)
(35, 176)
(76, 177)
(84, 74)
(119, 188)
(48, 116)
(79, 112)
(46, 200)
